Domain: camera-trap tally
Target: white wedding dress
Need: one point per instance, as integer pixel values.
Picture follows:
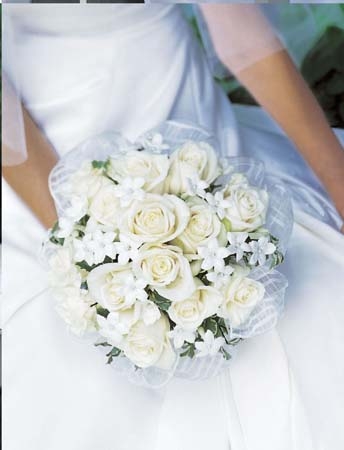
(86, 69)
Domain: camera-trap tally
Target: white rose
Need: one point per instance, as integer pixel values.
(166, 270)
(151, 167)
(87, 181)
(74, 307)
(241, 295)
(192, 158)
(148, 345)
(190, 313)
(247, 209)
(105, 206)
(107, 285)
(63, 271)
(155, 219)
(203, 226)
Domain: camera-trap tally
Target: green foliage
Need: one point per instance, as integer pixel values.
(225, 354)
(83, 221)
(203, 277)
(113, 353)
(189, 350)
(100, 164)
(102, 344)
(56, 240)
(102, 311)
(323, 68)
(85, 266)
(162, 302)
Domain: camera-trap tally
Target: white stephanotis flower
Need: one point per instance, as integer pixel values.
(65, 227)
(157, 218)
(153, 141)
(165, 269)
(94, 247)
(130, 189)
(117, 324)
(114, 286)
(238, 245)
(260, 250)
(218, 203)
(209, 346)
(196, 186)
(180, 335)
(92, 225)
(240, 296)
(77, 208)
(126, 252)
(133, 289)
(192, 158)
(108, 329)
(218, 279)
(150, 313)
(213, 255)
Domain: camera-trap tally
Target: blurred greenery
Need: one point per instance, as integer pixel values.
(323, 69)
(314, 34)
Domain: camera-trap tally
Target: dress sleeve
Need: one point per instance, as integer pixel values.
(13, 132)
(239, 35)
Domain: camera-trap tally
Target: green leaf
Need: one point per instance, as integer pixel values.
(203, 277)
(83, 265)
(162, 302)
(84, 285)
(189, 350)
(102, 311)
(225, 354)
(97, 164)
(57, 241)
(102, 344)
(83, 221)
(276, 259)
(227, 224)
(235, 341)
(113, 353)
(211, 324)
(55, 227)
(212, 187)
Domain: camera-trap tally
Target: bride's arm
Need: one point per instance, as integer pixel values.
(30, 179)
(278, 86)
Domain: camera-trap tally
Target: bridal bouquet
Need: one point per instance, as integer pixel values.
(163, 253)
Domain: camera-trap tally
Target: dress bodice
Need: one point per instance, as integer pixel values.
(77, 19)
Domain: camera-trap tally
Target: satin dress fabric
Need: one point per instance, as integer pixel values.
(87, 69)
